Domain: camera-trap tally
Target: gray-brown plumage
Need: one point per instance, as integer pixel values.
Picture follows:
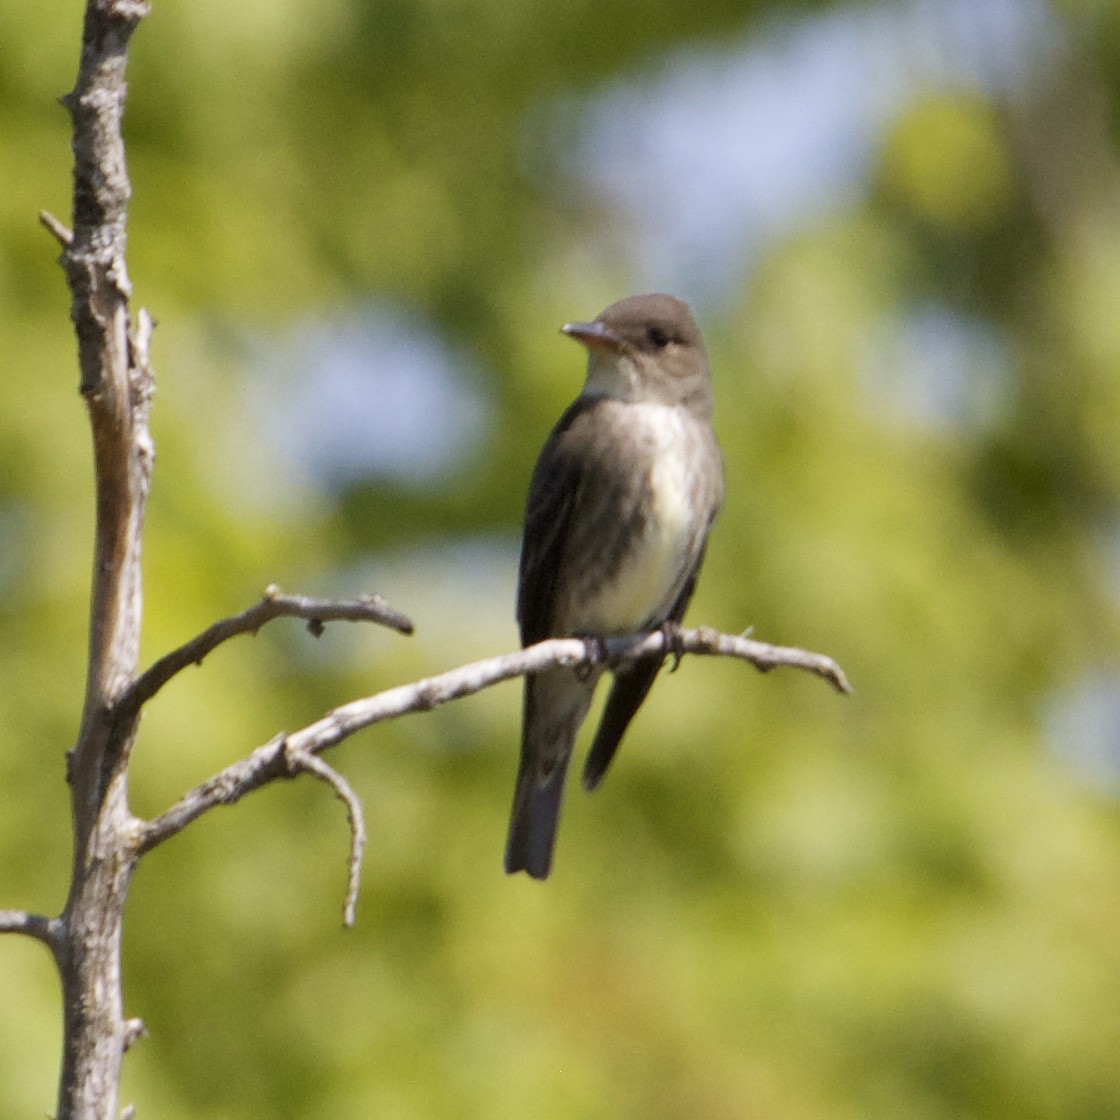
(620, 504)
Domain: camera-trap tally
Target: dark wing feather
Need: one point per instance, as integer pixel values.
(630, 688)
(553, 493)
(552, 714)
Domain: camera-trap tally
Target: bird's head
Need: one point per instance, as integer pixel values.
(646, 349)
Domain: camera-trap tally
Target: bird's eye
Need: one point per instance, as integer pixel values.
(658, 337)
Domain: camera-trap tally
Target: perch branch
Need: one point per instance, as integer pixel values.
(311, 764)
(275, 759)
(764, 656)
(368, 608)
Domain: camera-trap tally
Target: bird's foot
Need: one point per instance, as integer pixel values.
(597, 656)
(674, 643)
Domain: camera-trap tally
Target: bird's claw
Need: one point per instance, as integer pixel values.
(596, 656)
(674, 643)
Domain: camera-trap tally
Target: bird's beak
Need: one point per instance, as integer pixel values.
(595, 336)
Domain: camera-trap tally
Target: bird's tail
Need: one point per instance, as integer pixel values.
(555, 704)
(535, 817)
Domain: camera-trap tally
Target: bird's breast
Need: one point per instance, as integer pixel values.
(660, 512)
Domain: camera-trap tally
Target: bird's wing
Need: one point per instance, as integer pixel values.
(553, 494)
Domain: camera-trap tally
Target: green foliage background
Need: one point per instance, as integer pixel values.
(903, 905)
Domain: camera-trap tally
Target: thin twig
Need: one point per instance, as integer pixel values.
(134, 1030)
(37, 926)
(301, 760)
(275, 604)
(270, 761)
(764, 656)
(62, 233)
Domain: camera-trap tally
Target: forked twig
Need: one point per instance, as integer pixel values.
(274, 604)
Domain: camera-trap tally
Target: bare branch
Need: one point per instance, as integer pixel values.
(275, 604)
(301, 760)
(279, 757)
(41, 928)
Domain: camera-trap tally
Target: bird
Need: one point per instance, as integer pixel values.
(617, 517)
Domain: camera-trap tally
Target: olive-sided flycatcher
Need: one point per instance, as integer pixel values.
(619, 508)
